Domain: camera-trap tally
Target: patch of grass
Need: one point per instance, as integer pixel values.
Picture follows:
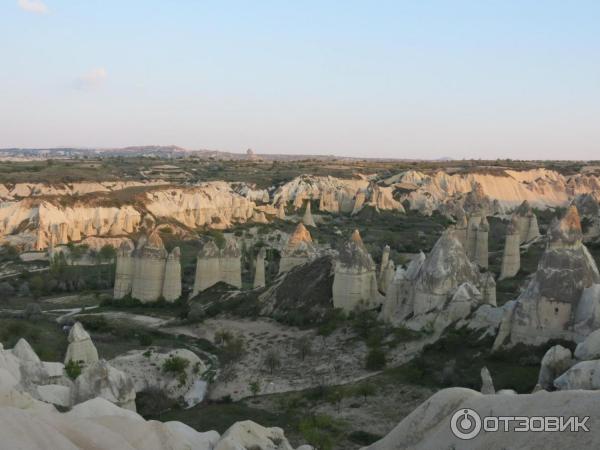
(361, 437)
(220, 416)
(457, 358)
(73, 369)
(45, 337)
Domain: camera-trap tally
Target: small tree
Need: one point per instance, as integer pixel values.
(37, 285)
(107, 254)
(223, 336)
(335, 396)
(175, 364)
(366, 390)
(255, 387)
(272, 360)
(304, 347)
(73, 369)
(375, 359)
(233, 349)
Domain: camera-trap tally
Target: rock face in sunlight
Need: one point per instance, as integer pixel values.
(506, 189)
(355, 280)
(33, 215)
(298, 250)
(338, 195)
(214, 265)
(562, 300)
(149, 272)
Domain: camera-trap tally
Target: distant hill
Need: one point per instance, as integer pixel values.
(159, 151)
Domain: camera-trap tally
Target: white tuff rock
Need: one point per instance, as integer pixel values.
(355, 281)
(214, 265)
(81, 349)
(298, 250)
(555, 362)
(562, 300)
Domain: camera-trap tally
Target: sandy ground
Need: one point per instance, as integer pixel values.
(143, 320)
(335, 359)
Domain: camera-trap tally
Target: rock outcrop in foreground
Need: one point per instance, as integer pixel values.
(428, 426)
(94, 419)
(145, 368)
(29, 424)
(22, 370)
(562, 301)
(149, 272)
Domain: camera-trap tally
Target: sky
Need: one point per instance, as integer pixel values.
(399, 79)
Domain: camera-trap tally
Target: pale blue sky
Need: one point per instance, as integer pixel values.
(401, 79)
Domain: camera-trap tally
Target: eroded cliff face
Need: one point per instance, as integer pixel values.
(337, 195)
(54, 215)
(542, 188)
(486, 192)
(35, 216)
(25, 190)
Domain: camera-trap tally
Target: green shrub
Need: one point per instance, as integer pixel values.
(361, 437)
(95, 322)
(145, 339)
(375, 359)
(175, 364)
(73, 369)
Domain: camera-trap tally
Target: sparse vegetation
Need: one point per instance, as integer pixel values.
(73, 369)
(272, 360)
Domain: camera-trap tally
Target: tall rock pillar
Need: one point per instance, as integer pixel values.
(511, 258)
(124, 271)
(481, 245)
(308, 218)
(172, 284)
(259, 274)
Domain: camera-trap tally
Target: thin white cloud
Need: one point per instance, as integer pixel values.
(33, 6)
(92, 79)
